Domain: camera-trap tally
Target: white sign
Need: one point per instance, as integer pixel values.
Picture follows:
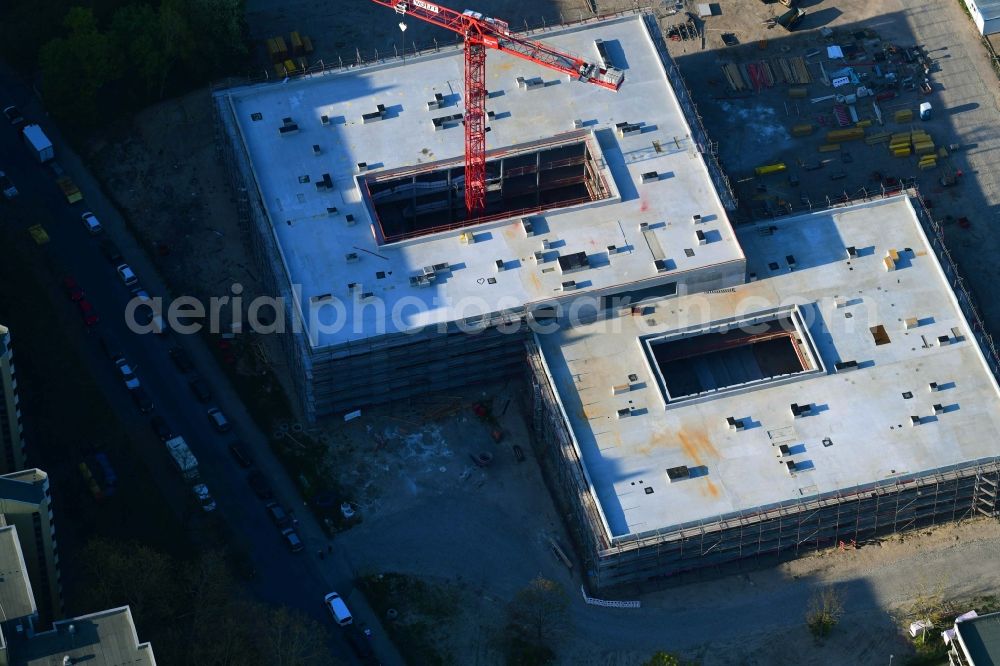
(428, 6)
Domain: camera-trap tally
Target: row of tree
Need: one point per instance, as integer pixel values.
(194, 612)
(113, 57)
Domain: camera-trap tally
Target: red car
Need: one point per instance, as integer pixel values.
(87, 312)
(72, 289)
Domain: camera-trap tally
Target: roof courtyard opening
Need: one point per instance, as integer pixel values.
(732, 355)
(417, 201)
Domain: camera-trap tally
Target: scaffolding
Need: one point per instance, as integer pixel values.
(849, 515)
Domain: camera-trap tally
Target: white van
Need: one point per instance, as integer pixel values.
(338, 609)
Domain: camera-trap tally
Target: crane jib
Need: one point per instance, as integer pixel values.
(427, 6)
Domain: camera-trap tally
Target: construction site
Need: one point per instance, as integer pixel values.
(425, 224)
(359, 219)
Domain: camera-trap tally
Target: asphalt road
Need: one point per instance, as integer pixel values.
(296, 580)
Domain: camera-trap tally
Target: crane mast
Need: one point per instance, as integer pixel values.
(482, 32)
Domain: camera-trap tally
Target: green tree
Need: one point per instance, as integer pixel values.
(75, 69)
(288, 638)
(121, 573)
(539, 612)
(662, 659)
(824, 611)
(221, 32)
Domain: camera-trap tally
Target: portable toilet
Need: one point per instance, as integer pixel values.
(925, 111)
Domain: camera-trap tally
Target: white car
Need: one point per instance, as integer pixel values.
(91, 224)
(205, 500)
(126, 274)
(128, 376)
(338, 609)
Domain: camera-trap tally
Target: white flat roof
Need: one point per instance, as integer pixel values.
(863, 413)
(314, 244)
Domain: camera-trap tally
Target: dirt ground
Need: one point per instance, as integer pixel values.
(428, 510)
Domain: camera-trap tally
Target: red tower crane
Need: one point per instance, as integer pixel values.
(481, 32)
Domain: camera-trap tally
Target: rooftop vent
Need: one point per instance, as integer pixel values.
(618, 389)
(362, 167)
(422, 280)
(317, 150)
(790, 260)
(569, 285)
(324, 120)
(444, 122)
(852, 252)
(375, 116)
(466, 238)
(696, 219)
(939, 409)
(845, 366)
(351, 257)
(649, 177)
(662, 265)
(577, 124)
(529, 228)
(700, 236)
(435, 103)
(790, 467)
(325, 183)
(934, 387)
(800, 410)
(624, 412)
(914, 420)
(331, 210)
(499, 265)
(287, 127)
(784, 451)
(571, 263)
(678, 473)
(627, 129)
(735, 424)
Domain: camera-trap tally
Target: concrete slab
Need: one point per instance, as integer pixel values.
(859, 427)
(315, 244)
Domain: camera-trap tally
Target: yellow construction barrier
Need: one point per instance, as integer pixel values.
(829, 148)
(901, 152)
(770, 168)
(798, 93)
(849, 134)
(904, 116)
(863, 123)
(880, 137)
(802, 130)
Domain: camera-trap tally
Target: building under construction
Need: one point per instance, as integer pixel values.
(351, 182)
(840, 394)
(701, 395)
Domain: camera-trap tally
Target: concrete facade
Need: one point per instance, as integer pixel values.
(889, 423)
(12, 456)
(25, 502)
(106, 638)
(985, 14)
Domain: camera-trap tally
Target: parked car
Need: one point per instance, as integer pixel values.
(240, 455)
(338, 609)
(111, 251)
(13, 115)
(259, 485)
(142, 400)
(180, 359)
(205, 500)
(127, 374)
(278, 515)
(72, 289)
(87, 312)
(292, 539)
(218, 419)
(91, 224)
(7, 187)
(200, 389)
(160, 427)
(126, 274)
